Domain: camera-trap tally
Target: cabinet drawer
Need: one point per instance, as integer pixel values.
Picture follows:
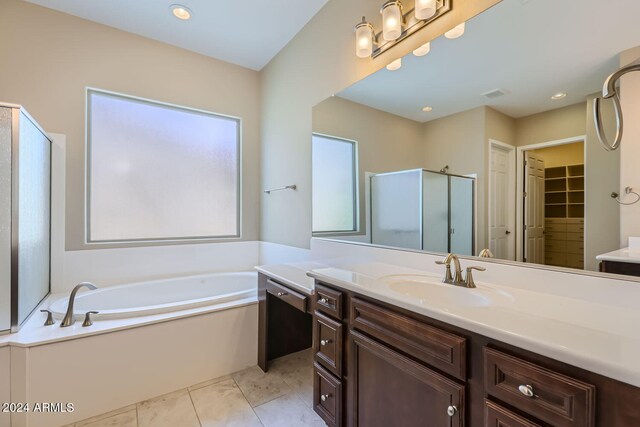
(575, 261)
(328, 301)
(327, 396)
(575, 248)
(575, 228)
(575, 237)
(433, 346)
(552, 227)
(555, 235)
(547, 395)
(555, 245)
(555, 258)
(289, 296)
(327, 342)
(497, 416)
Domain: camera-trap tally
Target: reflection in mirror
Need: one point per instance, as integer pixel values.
(488, 141)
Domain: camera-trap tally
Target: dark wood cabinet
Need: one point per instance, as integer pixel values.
(389, 389)
(615, 267)
(497, 416)
(382, 365)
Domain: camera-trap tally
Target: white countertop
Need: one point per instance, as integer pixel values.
(600, 336)
(631, 255)
(292, 274)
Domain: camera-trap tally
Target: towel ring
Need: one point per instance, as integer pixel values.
(609, 91)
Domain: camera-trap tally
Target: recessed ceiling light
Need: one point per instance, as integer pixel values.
(559, 95)
(394, 65)
(427, 109)
(181, 12)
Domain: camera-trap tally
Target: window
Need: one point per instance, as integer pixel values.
(334, 177)
(160, 172)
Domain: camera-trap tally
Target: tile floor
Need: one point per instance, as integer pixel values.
(282, 397)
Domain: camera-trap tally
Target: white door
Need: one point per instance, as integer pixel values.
(502, 207)
(534, 208)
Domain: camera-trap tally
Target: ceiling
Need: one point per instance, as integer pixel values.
(531, 48)
(244, 32)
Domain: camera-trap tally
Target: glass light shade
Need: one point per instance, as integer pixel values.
(364, 40)
(181, 12)
(391, 20)
(455, 32)
(425, 9)
(423, 50)
(394, 65)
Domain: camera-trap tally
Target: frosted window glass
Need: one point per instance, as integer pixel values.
(160, 172)
(334, 184)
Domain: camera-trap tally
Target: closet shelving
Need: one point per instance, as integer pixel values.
(564, 192)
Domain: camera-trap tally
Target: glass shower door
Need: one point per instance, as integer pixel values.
(462, 215)
(435, 202)
(5, 219)
(396, 209)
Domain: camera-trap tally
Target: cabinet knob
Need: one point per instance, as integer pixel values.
(324, 301)
(324, 397)
(527, 390)
(325, 342)
(452, 410)
(281, 294)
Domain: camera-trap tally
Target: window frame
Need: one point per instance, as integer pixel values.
(356, 188)
(160, 240)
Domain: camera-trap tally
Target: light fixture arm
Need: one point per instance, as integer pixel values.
(610, 91)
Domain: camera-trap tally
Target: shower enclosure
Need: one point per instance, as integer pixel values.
(424, 210)
(25, 216)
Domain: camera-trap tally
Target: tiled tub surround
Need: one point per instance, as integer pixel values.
(280, 398)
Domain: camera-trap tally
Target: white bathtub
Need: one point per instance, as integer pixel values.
(160, 296)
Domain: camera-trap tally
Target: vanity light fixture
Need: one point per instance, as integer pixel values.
(397, 25)
(427, 109)
(456, 31)
(392, 20)
(181, 12)
(394, 65)
(425, 9)
(422, 50)
(559, 95)
(364, 39)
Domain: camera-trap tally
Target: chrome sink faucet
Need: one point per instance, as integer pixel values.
(69, 318)
(448, 278)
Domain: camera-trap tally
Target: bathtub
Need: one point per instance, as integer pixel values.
(160, 296)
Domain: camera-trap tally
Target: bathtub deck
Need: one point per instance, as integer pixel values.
(282, 397)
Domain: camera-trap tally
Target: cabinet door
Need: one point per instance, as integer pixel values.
(388, 389)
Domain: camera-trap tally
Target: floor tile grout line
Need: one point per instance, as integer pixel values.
(247, 400)
(193, 404)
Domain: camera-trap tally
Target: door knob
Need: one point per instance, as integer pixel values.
(507, 232)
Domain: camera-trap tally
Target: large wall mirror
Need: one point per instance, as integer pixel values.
(488, 141)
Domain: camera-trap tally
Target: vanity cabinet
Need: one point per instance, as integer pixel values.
(377, 364)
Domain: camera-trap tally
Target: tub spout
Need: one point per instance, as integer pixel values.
(69, 318)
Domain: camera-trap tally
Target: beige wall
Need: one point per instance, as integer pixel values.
(318, 62)
(562, 155)
(386, 142)
(602, 176)
(630, 148)
(48, 58)
(551, 125)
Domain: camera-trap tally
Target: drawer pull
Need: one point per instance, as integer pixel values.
(282, 294)
(324, 301)
(325, 342)
(324, 397)
(452, 410)
(527, 390)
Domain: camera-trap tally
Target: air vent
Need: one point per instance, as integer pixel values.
(496, 93)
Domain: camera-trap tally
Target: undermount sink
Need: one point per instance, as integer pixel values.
(429, 289)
